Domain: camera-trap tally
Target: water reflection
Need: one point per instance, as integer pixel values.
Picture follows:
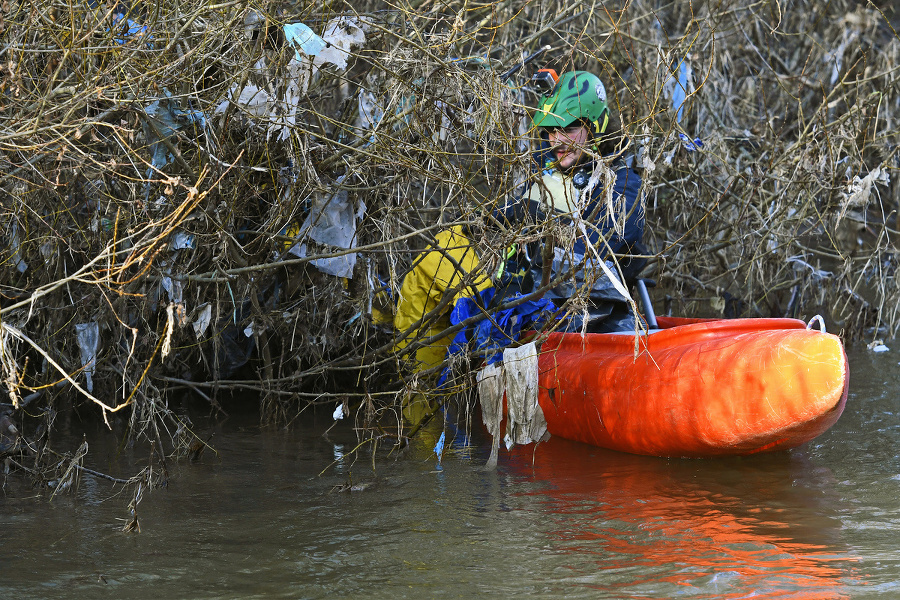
(765, 526)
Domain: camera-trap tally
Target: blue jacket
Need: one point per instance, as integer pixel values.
(627, 185)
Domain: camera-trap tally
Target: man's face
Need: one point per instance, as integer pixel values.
(568, 144)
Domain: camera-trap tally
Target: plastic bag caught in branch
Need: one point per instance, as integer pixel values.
(88, 336)
(17, 260)
(312, 52)
(340, 36)
(166, 119)
(860, 190)
(174, 288)
(204, 318)
(254, 100)
(332, 221)
(303, 39)
(679, 86)
(127, 29)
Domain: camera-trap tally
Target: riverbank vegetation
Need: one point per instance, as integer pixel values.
(215, 198)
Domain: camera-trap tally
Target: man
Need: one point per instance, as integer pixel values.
(576, 127)
(579, 136)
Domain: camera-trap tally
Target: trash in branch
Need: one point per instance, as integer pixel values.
(311, 52)
(341, 35)
(88, 336)
(204, 318)
(331, 222)
(162, 120)
(679, 86)
(126, 29)
(17, 260)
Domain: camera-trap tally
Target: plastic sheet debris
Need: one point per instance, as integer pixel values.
(88, 337)
(340, 411)
(517, 378)
(49, 249)
(204, 318)
(800, 264)
(490, 395)
(878, 346)
(235, 350)
(340, 36)
(370, 110)
(311, 53)
(163, 120)
(283, 116)
(691, 145)
(254, 100)
(859, 190)
(525, 421)
(370, 113)
(303, 39)
(253, 329)
(21, 265)
(127, 29)
(182, 241)
(174, 288)
(439, 447)
(679, 86)
(332, 221)
(835, 56)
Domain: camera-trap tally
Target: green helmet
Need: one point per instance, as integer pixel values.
(577, 95)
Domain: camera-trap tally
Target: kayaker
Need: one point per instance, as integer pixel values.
(579, 138)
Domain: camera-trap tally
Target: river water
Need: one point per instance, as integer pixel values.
(257, 521)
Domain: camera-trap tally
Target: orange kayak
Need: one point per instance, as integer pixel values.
(695, 387)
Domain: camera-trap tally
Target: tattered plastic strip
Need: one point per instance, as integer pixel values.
(204, 318)
(439, 447)
(130, 29)
(88, 336)
(303, 39)
(18, 261)
(681, 88)
(691, 145)
(525, 422)
(490, 394)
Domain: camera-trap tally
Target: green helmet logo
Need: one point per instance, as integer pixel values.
(577, 95)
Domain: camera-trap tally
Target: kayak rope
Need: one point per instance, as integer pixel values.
(821, 322)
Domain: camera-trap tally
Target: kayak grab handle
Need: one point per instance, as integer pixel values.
(817, 319)
(641, 285)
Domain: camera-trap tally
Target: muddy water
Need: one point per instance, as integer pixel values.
(570, 521)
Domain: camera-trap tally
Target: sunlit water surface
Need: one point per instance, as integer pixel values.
(257, 520)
